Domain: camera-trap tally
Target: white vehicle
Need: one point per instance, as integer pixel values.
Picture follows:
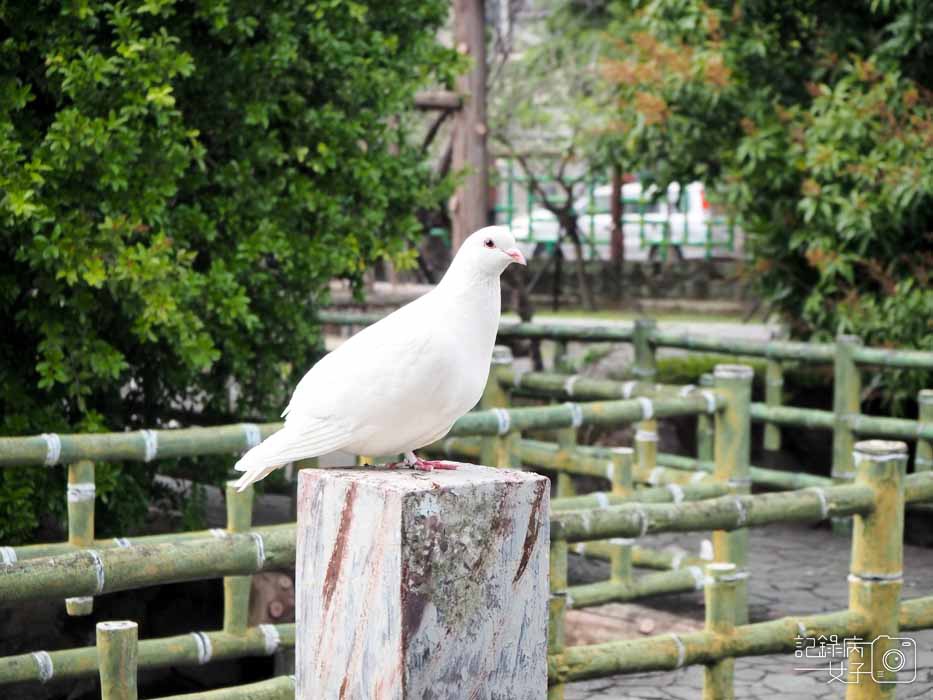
(653, 227)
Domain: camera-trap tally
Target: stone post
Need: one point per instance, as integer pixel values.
(414, 584)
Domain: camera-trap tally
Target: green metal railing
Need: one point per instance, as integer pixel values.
(662, 234)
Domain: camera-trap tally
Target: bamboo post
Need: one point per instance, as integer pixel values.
(445, 580)
(566, 440)
(117, 646)
(646, 449)
(774, 396)
(732, 446)
(558, 606)
(705, 426)
(497, 450)
(623, 483)
(237, 588)
(644, 368)
(877, 568)
(923, 459)
(81, 491)
(623, 477)
(847, 389)
(719, 593)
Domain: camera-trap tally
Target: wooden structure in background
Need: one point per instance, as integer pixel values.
(469, 205)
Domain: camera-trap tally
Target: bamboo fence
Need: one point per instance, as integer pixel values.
(85, 566)
(875, 498)
(709, 492)
(847, 355)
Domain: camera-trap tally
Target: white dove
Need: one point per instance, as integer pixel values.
(400, 384)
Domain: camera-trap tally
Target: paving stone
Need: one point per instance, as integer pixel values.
(796, 683)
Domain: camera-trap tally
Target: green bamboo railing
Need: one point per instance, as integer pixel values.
(140, 445)
(501, 429)
(592, 461)
(280, 688)
(217, 557)
(553, 385)
(93, 572)
(193, 649)
(918, 488)
(147, 445)
(117, 650)
(771, 349)
(721, 513)
(876, 498)
(846, 355)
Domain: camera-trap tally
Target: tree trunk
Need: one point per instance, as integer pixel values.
(469, 204)
(617, 254)
(569, 224)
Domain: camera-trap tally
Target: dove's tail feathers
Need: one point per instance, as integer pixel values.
(290, 444)
(253, 475)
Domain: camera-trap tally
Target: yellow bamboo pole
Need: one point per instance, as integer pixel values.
(81, 493)
(558, 607)
(719, 593)
(498, 450)
(567, 440)
(645, 367)
(705, 426)
(847, 393)
(117, 648)
(646, 450)
(923, 459)
(237, 588)
(623, 483)
(774, 395)
(876, 573)
(732, 447)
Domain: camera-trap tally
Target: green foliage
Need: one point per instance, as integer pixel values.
(815, 124)
(178, 183)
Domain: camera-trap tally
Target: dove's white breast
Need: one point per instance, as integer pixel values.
(402, 382)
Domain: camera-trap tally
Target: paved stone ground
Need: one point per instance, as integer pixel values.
(794, 571)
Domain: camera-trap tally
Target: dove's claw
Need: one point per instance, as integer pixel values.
(428, 465)
(425, 465)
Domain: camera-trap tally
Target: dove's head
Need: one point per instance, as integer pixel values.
(489, 251)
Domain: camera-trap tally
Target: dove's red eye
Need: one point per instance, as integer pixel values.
(488, 243)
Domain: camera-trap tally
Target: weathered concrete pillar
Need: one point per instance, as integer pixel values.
(419, 585)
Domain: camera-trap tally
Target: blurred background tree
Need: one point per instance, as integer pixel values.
(546, 104)
(814, 122)
(178, 184)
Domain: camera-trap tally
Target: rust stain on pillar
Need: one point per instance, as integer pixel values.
(531, 534)
(336, 557)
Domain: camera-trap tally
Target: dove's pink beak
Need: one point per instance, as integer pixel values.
(517, 256)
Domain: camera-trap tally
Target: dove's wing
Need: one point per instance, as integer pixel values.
(350, 393)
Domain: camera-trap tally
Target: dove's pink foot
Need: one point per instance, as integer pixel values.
(424, 465)
(428, 465)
